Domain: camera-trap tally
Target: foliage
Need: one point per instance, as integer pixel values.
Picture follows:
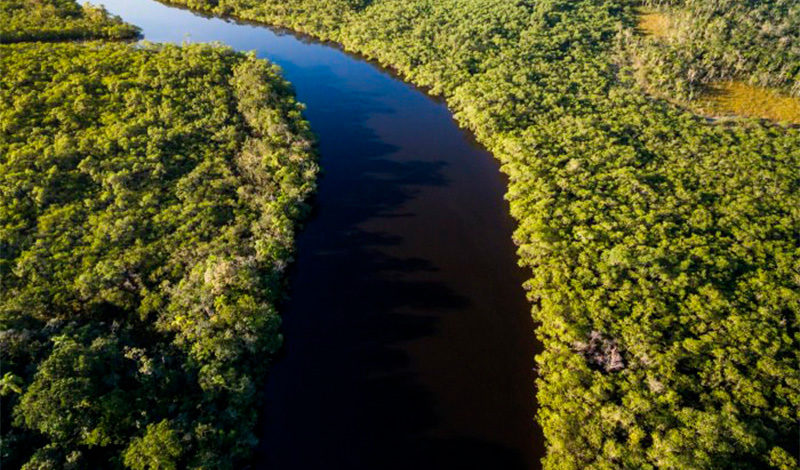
(158, 449)
(49, 20)
(663, 249)
(722, 40)
(149, 201)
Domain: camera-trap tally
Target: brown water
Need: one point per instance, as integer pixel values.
(409, 342)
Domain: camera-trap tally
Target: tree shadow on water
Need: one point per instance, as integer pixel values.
(343, 393)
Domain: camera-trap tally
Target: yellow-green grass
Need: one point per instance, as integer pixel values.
(733, 98)
(654, 23)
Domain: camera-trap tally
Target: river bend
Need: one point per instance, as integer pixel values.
(409, 342)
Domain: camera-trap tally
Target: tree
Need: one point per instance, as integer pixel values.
(158, 449)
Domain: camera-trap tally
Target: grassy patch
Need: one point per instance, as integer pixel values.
(654, 23)
(733, 98)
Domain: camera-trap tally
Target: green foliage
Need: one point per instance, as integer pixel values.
(10, 383)
(707, 41)
(149, 201)
(158, 449)
(663, 249)
(54, 20)
(77, 395)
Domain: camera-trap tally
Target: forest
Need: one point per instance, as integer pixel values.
(663, 247)
(150, 196)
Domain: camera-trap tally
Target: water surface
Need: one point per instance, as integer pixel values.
(409, 342)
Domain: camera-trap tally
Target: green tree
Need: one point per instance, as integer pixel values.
(158, 449)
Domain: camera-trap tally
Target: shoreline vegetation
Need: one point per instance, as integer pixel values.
(59, 20)
(150, 198)
(662, 248)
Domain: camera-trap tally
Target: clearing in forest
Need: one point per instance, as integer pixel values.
(735, 98)
(653, 23)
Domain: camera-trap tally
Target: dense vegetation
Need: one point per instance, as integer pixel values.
(53, 20)
(706, 41)
(148, 206)
(664, 250)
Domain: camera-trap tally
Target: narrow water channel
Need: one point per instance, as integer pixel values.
(409, 342)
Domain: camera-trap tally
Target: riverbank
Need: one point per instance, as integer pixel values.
(647, 230)
(400, 350)
(151, 193)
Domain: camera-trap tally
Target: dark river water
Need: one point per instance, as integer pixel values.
(409, 342)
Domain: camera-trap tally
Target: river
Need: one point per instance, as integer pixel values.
(409, 342)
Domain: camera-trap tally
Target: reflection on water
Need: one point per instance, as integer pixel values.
(409, 342)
